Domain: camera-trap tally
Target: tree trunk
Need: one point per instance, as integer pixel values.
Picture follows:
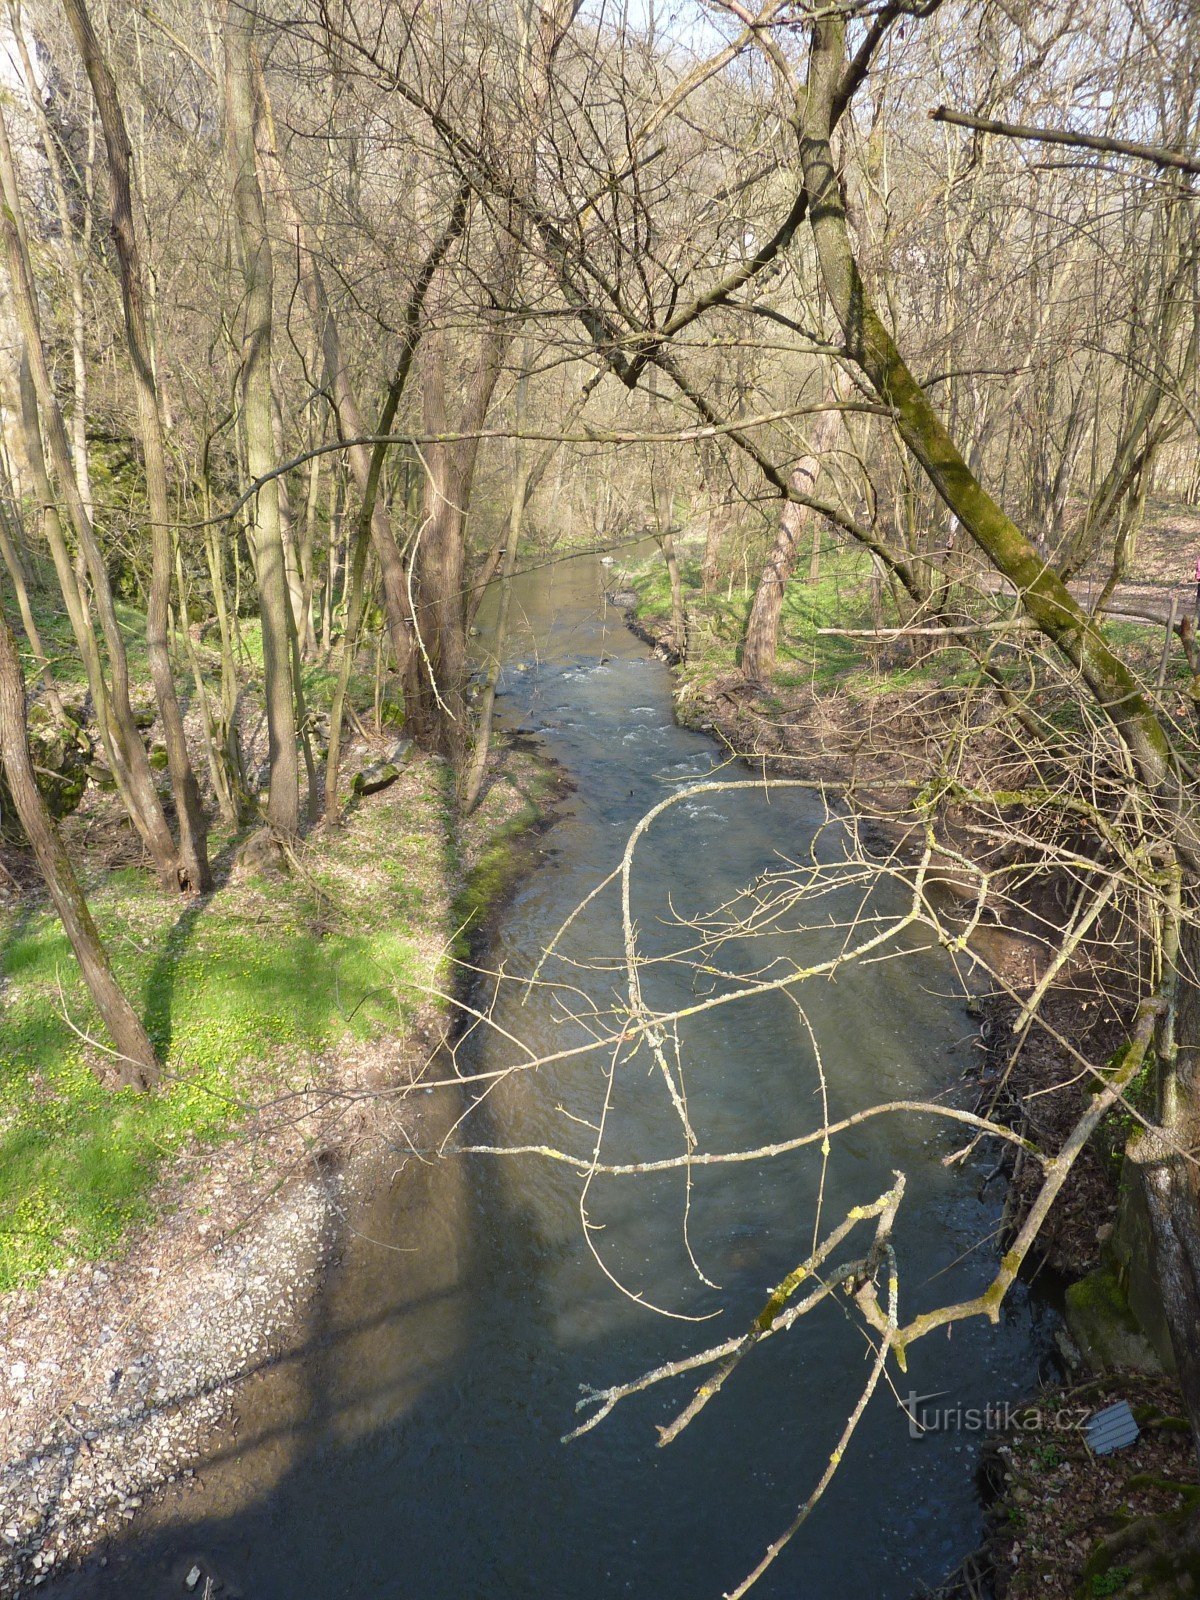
(761, 643)
(337, 496)
(716, 520)
(137, 1066)
(292, 566)
(74, 246)
(308, 640)
(473, 782)
(438, 681)
(336, 380)
(193, 826)
(1164, 1154)
(435, 697)
(1162, 1158)
(814, 558)
(356, 565)
(1045, 599)
(241, 115)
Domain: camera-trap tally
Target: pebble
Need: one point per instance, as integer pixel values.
(219, 1320)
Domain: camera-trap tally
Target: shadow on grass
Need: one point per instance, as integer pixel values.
(160, 985)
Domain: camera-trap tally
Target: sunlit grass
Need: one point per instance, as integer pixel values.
(239, 992)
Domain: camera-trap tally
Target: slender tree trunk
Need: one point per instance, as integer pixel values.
(193, 826)
(439, 668)
(137, 1066)
(241, 115)
(217, 768)
(473, 782)
(761, 643)
(356, 568)
(347, 413)
(437, 679)
(308, 640)
(68, 583)
(287, 525)
(74, 245)
(337, 495)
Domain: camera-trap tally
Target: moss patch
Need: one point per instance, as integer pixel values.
(1104, 1327)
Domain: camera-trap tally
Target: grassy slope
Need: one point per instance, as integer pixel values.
(240, 991)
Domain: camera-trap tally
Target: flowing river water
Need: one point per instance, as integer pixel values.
(409, 1446)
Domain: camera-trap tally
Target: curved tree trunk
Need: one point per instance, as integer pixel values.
(137, 1066)
(1164, 1154)
(1044, 597)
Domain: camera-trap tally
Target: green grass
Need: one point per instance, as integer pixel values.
(59, 641)
(808, 658)
(841, 598)
(499, 861)
(238, 992)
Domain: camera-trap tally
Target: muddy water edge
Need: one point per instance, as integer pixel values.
(407, 1443)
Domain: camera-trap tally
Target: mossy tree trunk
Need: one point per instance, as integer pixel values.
(1163, 1154)
(1044, 597)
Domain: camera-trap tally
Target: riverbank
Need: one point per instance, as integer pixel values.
(126, 1347)
(1059, 1518)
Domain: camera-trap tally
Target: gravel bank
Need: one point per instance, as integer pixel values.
(113, 1376)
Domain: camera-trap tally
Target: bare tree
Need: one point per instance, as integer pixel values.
(192, 825)
(241, 118)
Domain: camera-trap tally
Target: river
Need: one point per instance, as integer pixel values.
(411, 1445)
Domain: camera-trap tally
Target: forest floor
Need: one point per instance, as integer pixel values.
(157, 1250)
(873, 722)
